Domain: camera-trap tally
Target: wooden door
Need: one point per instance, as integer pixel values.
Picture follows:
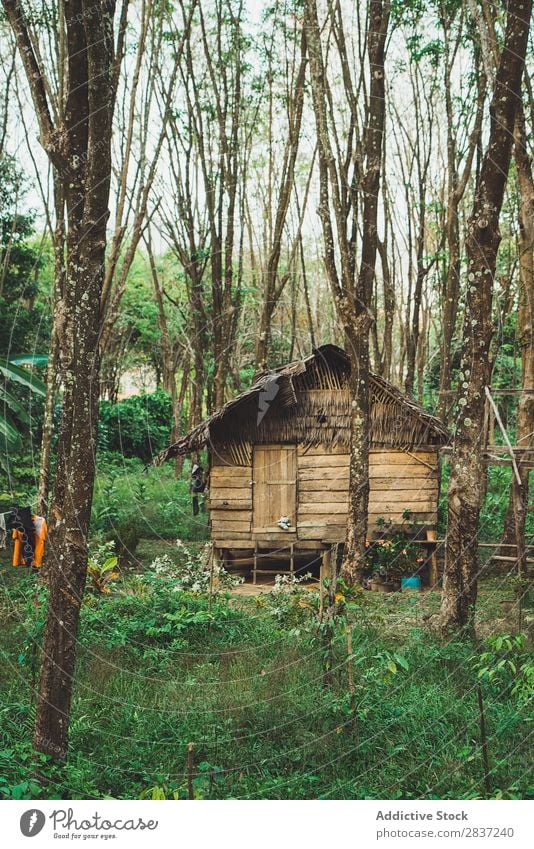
(274, 474)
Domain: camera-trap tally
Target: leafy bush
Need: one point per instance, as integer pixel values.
(289, 602)
(102, 568)
(394, 556)
(139, 426)
(506, 664)
(193, 572)
(153, 503)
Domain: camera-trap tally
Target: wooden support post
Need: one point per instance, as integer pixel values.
(190, 765)
(255, 567)
(432, 534)
(350, 673)
(292, 559)
(325, 564)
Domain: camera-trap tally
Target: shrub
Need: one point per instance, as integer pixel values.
(153, 503)
(139, 426)
(193, 571)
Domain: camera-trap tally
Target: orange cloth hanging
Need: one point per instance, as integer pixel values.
(40, 536)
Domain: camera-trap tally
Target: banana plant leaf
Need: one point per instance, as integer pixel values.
(29, 360)
(9, 436)
(9, 400)
(11, 371)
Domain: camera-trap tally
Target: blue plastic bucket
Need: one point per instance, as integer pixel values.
(413, 583)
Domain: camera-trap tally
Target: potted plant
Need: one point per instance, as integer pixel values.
(407, 564)
(379, 556)
(395, 561)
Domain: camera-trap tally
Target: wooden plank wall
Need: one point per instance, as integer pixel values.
(322, 493)
(230, 499)
(399, 481)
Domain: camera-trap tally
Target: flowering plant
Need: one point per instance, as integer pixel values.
(394, 556)
(192, 572)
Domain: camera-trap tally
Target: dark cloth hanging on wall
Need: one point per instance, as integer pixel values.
(22, 520)
(198, 485)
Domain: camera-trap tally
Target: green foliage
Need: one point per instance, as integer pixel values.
(395, 556)
(158, 668)
(139, 426)
(507, 665)
(191, 570)
(24, 323)
(131, 503)
(292, 602)
(15, 420)
(102, 568)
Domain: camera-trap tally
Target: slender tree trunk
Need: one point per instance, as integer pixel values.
(468, 471)
(353, 293)
(51, 372)
(456, 186)
(413, 328)
(525, 328)
(389, 313)
(80, 149)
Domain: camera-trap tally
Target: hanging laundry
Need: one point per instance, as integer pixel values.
(40, 532)
(24, 535)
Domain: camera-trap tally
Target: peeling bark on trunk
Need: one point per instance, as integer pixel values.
(79, 147)
(468, 471)
(456, 186)
(525, 329)
(339, 192)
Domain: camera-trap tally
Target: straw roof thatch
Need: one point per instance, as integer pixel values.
(308, 402)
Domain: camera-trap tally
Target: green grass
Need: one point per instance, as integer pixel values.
(153, 501)
(157, 671)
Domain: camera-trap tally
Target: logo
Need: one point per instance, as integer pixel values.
(267, 394)
(32, 822)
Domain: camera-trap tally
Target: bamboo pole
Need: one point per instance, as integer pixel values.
(190, 767)
(483, 740)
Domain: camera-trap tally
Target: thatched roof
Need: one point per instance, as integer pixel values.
(308, 402)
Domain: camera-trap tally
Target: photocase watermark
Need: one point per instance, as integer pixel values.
(266, 397)
(32, 822)
(65, 824)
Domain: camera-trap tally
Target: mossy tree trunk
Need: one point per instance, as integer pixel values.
(468, 471)
(78, 143)
(346, 177)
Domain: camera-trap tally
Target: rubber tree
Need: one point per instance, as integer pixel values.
(347, 177)
(78, 143)
(468, 470)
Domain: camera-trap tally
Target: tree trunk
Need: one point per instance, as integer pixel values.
(79, 148)
(525, 328)
(353, 295)
(51, 372)
(456, 186)
(468, 471)
(389, 312)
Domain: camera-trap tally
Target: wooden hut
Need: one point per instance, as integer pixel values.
(279, 460)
